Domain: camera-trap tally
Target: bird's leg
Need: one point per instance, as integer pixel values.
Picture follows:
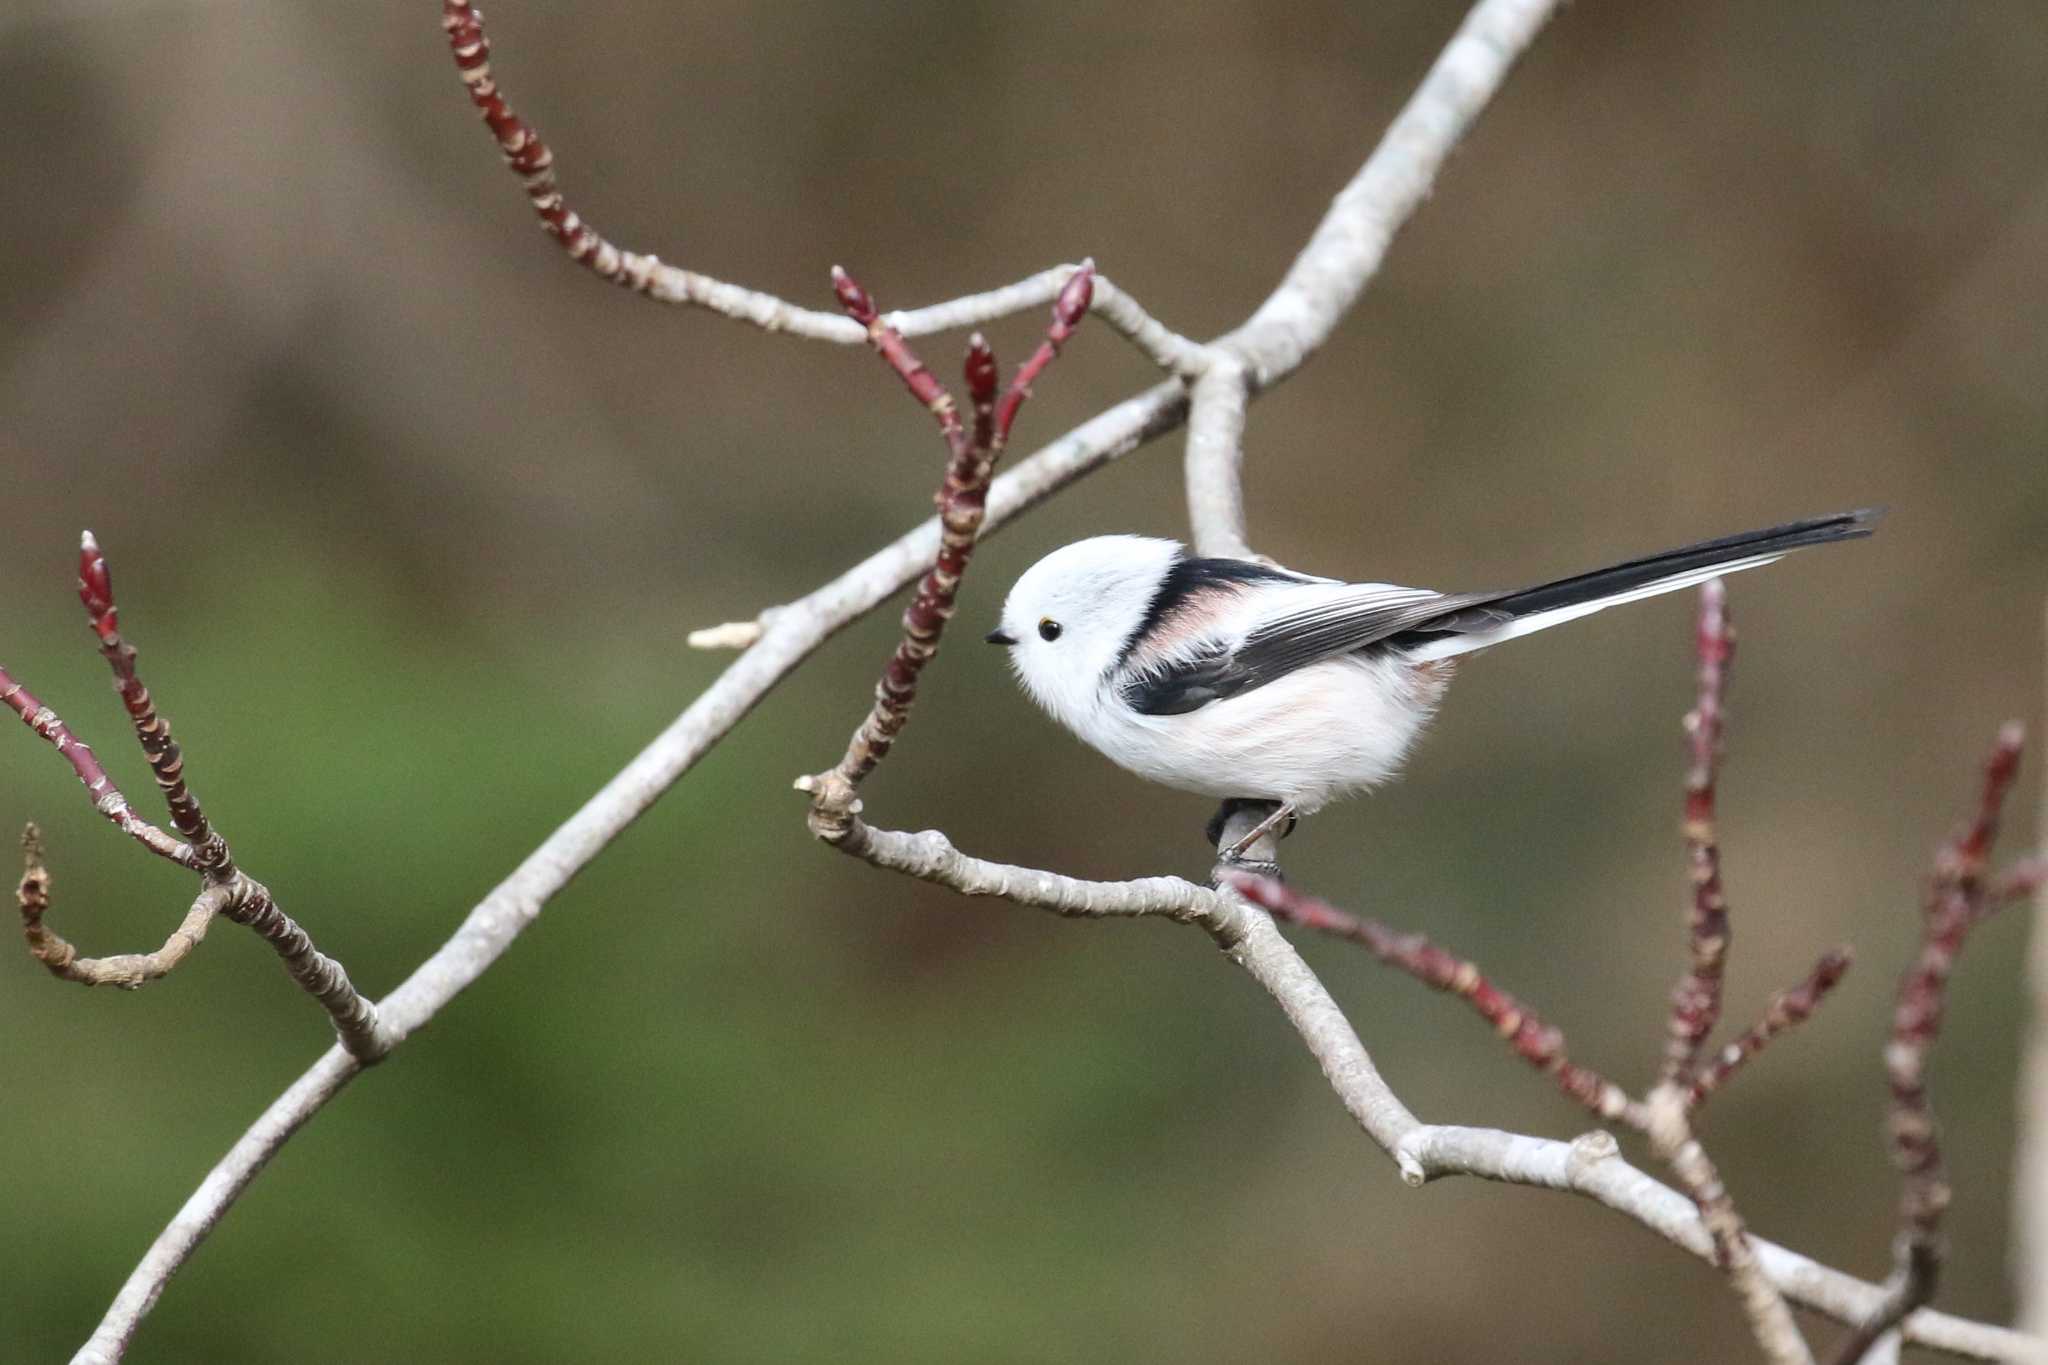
(1281, 819)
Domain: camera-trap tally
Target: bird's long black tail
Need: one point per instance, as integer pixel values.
(1477, 625)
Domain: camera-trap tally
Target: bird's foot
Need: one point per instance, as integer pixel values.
(1281, 819)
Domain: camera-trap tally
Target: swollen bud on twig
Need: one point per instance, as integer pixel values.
(96, 586)
(852, 297)
(1076, 296)
(980, 369)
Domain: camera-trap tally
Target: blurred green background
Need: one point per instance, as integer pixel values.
(410, 518)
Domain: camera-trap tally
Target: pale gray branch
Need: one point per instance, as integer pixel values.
(1351, 241)
(1344, 254)
(1215, 458)
(1591, 1165)
(1160, 344)
(286, 1114)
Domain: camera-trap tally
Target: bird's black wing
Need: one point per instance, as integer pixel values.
(1358, 615)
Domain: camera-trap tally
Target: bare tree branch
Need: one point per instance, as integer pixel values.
(1590, 1166)
(647, 275)
(226, 890)
(106, 797)
(128, 971)
(1352, 240)
(1696, 1000)
(962, 501)
(789, 637)
(1957, 901)
(1539, 1044)
(1788, 1009)
(1215, 457)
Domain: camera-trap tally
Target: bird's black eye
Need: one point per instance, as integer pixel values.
(1048, 629)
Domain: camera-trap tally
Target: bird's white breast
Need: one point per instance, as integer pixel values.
(1315, 734)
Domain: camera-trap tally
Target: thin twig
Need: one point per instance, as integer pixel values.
(127, 971)
(1539, 1044)
(225, 889)
(647, 275)
(152, 731)
(888, 343)
(106, 797)
(962, 500)
(1788, 1009)
(1696, 999)
(1956, 903)
(1661, 1116)
(1671, 1137)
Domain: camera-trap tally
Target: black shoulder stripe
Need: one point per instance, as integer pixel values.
(1188, 577)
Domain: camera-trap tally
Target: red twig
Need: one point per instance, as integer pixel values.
(1956, 903)
(225, 889)
(531, 160)
(1067, 311)
(962, 499)
(889, 344)
(1787, 1010)
(106, 797)
(2016, 883)
(1696, 1000)
(1959, 863)
(1539, 1044)
(152, 731)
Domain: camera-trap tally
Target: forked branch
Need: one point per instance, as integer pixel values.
(1958, 899)
(224, 889)
(962, 500)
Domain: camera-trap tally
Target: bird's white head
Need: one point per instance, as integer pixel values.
(1069, 618)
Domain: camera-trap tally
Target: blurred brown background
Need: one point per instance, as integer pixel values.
(410, 518)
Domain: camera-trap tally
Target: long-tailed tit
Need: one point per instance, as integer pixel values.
(1238, 679)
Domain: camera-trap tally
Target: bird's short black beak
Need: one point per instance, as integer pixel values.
(999, 636)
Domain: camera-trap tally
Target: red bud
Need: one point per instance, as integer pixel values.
(96, 585)
(1076, 296)
(852, 297)
(980, 369)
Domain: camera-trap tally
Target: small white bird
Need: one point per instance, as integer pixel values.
(1238, 679)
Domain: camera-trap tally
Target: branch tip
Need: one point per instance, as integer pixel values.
(730, 635)
(979, 370)
(852, 298)
(1075, 297)
(96, 587)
